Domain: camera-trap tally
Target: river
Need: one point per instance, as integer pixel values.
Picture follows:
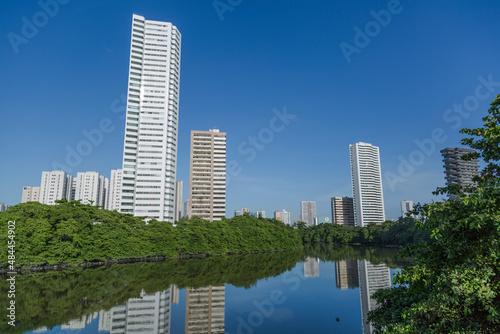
(322, 290)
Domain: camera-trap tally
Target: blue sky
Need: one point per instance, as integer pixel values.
(402, 78)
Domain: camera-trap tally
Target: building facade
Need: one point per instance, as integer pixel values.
(406, 207)
(321, 220)
(207, 178)
(185, 209)
(260, 214)
(114, 191)
(30, 194)
(283, 216)
(368, 198)
(54, 186)
(150, 143)
(308, 212)
(343, 211)
(90, 188)
(3, 207)
(178, 200)
(458, 171)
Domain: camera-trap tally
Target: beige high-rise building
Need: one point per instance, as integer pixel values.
(207, 178)
(343, 211)
(205, 310)
(30, 194)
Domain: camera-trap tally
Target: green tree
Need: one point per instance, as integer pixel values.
(454, 286)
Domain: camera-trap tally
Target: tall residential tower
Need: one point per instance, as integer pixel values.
(367, 192)
(458, 171)
(150, 145)
(343, 211)
(307, 212)
(207, 178)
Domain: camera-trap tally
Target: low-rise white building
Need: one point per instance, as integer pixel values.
(30, 194)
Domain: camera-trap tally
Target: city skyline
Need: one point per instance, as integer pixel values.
(213, 96)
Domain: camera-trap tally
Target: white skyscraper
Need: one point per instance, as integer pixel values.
(114, 192)
(406, 207)
(150, 145)
(308, 212)
(366, 184)
(90, 188)
(30, 194)
(55, 185)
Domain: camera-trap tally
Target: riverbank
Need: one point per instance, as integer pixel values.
(44, 268)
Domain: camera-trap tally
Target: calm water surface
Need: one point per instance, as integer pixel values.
(325, 290)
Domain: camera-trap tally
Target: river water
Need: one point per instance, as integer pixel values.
(322, 290)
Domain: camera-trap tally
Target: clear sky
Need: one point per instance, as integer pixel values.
(382, 72)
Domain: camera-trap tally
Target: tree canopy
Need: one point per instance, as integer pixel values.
(454, 286)
(71, 232)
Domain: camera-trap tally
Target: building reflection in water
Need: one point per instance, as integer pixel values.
(371, 279)
(205, 308)
(311, 267)
(149, 313)
(346, 274)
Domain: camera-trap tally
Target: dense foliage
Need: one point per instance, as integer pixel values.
(454, 286)
(54, 298)
(71, 232)
(393, 233)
